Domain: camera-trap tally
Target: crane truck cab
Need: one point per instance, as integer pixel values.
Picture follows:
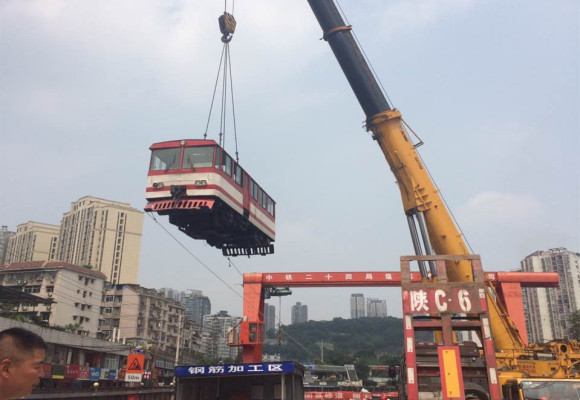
(248, 381)
(544, 388)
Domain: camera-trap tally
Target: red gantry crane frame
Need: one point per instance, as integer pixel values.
(251, 331)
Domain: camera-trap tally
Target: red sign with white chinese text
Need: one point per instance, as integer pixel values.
(84, 372)
(443, 300)
(71, 371)
(342, 395)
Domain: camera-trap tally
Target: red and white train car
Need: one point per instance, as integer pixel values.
(209, 196)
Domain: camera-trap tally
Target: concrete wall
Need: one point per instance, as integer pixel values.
(78, 298)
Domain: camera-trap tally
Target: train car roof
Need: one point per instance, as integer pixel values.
(182, 142)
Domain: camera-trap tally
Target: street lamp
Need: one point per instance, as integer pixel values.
(96, 387)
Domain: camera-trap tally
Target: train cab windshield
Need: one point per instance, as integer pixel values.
(165, 159)
(198, 157)
(193, 157)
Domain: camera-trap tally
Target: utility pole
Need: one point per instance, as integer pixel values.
(178, 344)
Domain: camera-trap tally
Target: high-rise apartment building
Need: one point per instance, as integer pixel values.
(357, 305)
(299, 313)
(270, 317)
(196, 305)
(191, 292)
(104, 234)
(171, 293)
(215, 333)
(33, 241)
(548, 309)
(376, 308)
(76, 292)
(5, 236)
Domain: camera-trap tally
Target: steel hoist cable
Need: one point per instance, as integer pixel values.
(365, 55)
(227, 25)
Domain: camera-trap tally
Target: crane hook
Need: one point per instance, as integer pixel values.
(227, 26)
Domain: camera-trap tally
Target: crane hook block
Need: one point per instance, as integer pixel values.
(227, 26)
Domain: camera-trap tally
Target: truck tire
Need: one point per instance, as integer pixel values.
(473, 391)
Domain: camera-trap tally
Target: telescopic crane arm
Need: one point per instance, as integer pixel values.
(422, 202)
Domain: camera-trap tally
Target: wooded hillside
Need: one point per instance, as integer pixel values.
(346, 341)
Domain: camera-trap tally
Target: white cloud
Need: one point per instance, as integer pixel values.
(505, 227)
(46, 168)
(404, 15)
(495, 208)
(115, 51)
(509, 140)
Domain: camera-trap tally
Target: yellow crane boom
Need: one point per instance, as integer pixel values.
(422, 201)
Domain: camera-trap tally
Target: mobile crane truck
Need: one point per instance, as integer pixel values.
(535, 367)
(536, 371)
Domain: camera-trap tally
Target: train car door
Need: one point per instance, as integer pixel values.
(246, 191)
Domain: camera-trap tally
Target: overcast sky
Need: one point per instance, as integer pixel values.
(492, 88)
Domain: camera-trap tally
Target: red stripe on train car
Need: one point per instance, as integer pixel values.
(186, 143)
(167, 202)
(205, 170)
(221, 190)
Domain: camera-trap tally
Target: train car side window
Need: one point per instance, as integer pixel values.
(264, 199)
(271, 206)
(254, 189)
(218, 157)
(164, 159)
(238, 174)
(227, 164)
(198, 157)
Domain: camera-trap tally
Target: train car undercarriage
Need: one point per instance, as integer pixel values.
(212, 220)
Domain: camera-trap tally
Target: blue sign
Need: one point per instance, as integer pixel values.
(112, 375)
(236, 369)
(94, 374)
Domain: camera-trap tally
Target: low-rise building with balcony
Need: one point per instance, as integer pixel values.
(75, 292)
(129, 311)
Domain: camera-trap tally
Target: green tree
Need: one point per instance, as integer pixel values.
(73, 328)
(362, 369)
(6, 308)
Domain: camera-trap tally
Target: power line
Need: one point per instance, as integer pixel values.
(195, 257)
(75, 284)
(205, 266)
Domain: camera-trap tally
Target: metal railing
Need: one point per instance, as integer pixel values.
(157, 393)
